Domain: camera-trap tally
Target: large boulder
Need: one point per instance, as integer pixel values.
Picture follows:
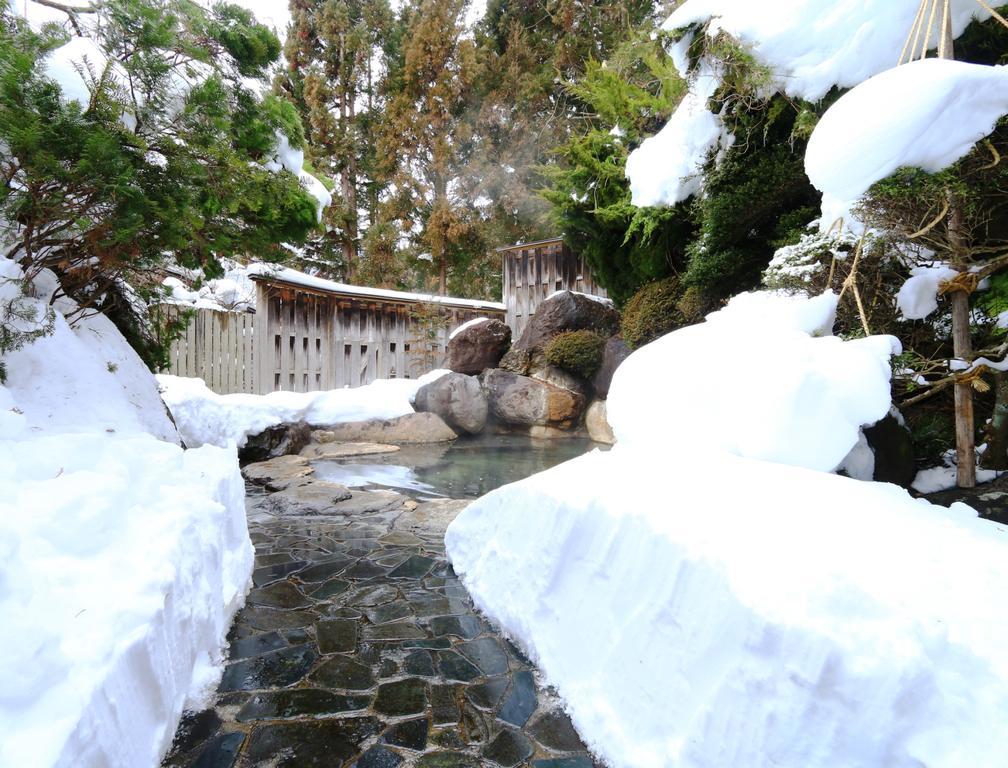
(563, 311)
(411, 428)
(479, 346)
(597, 423)
(615, 352)
(522, 401)
(278, 440)
(892, 444)
(456, 398)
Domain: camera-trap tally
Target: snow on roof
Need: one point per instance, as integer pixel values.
(270, 272)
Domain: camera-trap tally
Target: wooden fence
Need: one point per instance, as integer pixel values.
(534, 271)
(307, 338)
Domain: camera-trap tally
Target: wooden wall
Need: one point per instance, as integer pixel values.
(534, 271)
(305, 340)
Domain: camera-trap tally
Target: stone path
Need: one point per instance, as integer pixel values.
(359, 647)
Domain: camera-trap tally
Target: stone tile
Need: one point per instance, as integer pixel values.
(419, 663)
(396, 630)
(378, 757)
(444, 704)
(270, 670)
(270, 573)
(403, 697)
(345, 673)
(434, 643)
(300, 702)
(303, 744)
(370, 595)
(487, 695)
(448, 760)
(336, 635)
(220, 752)
(455, 667)
(281, 594)
(508, 749)
(364, 569)
(194, 729)
(274, 618)
(521, 702)
(564, 762)
(255, 645)
(381, 614)
(466, 627)
(487, 654)
(329, 589)
(555, 731)
(409, 734)
(414, 568)
(325, 569)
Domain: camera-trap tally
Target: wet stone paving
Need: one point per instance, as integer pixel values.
(358, 646)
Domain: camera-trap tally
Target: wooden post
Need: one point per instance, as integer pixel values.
(962, 344)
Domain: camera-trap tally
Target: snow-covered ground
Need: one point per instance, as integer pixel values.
(708, 594)
(123, 558)
(206, 418)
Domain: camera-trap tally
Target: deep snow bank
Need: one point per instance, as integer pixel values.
(698, 605)
(206, 418)
(122, 557)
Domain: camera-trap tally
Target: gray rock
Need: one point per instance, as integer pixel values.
(431, 518)
(523, 401)
(330, 451)
(597, 423)
(616, 351)
(280, 471)
(309, 497)
(478, 347)
(456, 398)
(279, 440)
(566, 311)
(411, 428)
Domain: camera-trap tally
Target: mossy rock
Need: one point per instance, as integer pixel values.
(652, 312)
(579, 352)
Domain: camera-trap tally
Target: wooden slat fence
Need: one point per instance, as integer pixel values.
(534, 271)
(306, 340)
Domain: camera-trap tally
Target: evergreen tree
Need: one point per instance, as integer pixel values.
(427, 143)
(167, 159)
(334, 58)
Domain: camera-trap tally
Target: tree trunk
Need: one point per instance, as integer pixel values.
(996, 455)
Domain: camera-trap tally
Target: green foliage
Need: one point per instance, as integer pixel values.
(653, 311)
(579, 352)
(105, 192)
(625, 99)
(994, 300)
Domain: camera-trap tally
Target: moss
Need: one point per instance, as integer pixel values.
(653, 311)
(579, 352)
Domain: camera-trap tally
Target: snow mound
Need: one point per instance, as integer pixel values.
(746, 609)
(926, 114)
(206, 418)
(743, 613)
(123, 558)
(802, 400)
(467, 324)
(918, 296)
(812, 45)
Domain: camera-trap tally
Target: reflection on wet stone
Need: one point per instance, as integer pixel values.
(521, 702)
(281, 594)
(487, 654)
(455, 667)
(302, 744)
(554, 731)
(508, 748)
(411, 734)
(389, 612)
(271, 670)
(487, 695)
(378, 757)
(280, 705)
(466, 627)
(343, 672)
(220, 752)
(255, 645)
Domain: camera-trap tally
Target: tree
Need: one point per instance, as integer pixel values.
(162, 157)
(427, 142)
(333, 77)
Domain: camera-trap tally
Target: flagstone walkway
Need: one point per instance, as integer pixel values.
(359, 647)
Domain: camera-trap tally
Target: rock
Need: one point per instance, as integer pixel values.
(411, 428)
(597, 423)
(616, 351)
(279, 440)
(540, 370)
(478, 347)
(280, 470)
(566, 311)
(456, 398)
(330, 451)
(892, 444)
(523, 401)
(308, 498)
(431, 518)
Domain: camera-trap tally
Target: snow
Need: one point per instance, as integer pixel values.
(918, 296)
(708, 594)
(467, 324)
(123, 558)
(286, 157)
(206, 418)
(926, 114)
(292, 276)
(667, 168)
(233, 292)
(943, 477)
(812, 45)
(597, 299)
(69, 66)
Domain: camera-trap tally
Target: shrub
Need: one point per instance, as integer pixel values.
(579, 352)
(652, 312)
